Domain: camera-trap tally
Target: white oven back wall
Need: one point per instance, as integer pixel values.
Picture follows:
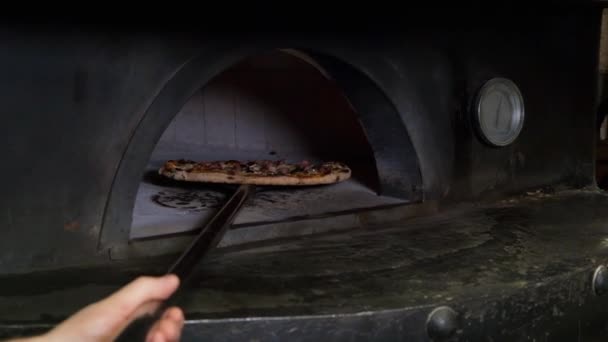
(274, 106)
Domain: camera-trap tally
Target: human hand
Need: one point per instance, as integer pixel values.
(105, 320)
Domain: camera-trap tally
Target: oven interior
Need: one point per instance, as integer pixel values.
(271, 106)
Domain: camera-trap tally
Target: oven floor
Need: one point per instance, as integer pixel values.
(505, 265)
(165, 207)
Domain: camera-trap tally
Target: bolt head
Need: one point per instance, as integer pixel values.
(442, 323)
(600, 281)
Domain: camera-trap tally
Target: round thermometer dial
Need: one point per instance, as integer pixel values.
(499, 111)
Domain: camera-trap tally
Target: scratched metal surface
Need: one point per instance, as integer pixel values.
(514, 269)
(464, 253)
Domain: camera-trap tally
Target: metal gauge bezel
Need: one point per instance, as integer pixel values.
(509, 91)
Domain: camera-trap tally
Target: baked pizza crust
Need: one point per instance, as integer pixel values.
(338, 174)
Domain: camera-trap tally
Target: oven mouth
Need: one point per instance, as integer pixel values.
(273, 106)
(339, 109)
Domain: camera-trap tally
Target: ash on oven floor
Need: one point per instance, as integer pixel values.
(171, 207)
(196, 200)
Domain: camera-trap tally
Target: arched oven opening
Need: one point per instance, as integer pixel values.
(273, 106)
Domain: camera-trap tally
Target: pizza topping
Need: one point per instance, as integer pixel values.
(182, 164)
(284, 169)
(253, 167)
(276, 172)
(325, 169)
(210, 166)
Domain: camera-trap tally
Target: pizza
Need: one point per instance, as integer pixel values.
(257, 172)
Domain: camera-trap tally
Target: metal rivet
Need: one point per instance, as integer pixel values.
(599, 283)
(442, 323)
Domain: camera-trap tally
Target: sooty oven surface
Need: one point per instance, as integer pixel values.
(439, 232)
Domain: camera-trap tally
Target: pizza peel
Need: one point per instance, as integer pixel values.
(209, 236)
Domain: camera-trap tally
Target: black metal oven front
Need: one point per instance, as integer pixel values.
(472, 211)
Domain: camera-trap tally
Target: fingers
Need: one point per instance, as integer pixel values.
(147, 308)
(143, 290)
(106, 319)
(168, 328)
(175, 314)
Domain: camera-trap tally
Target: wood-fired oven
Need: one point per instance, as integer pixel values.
(470, 139)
